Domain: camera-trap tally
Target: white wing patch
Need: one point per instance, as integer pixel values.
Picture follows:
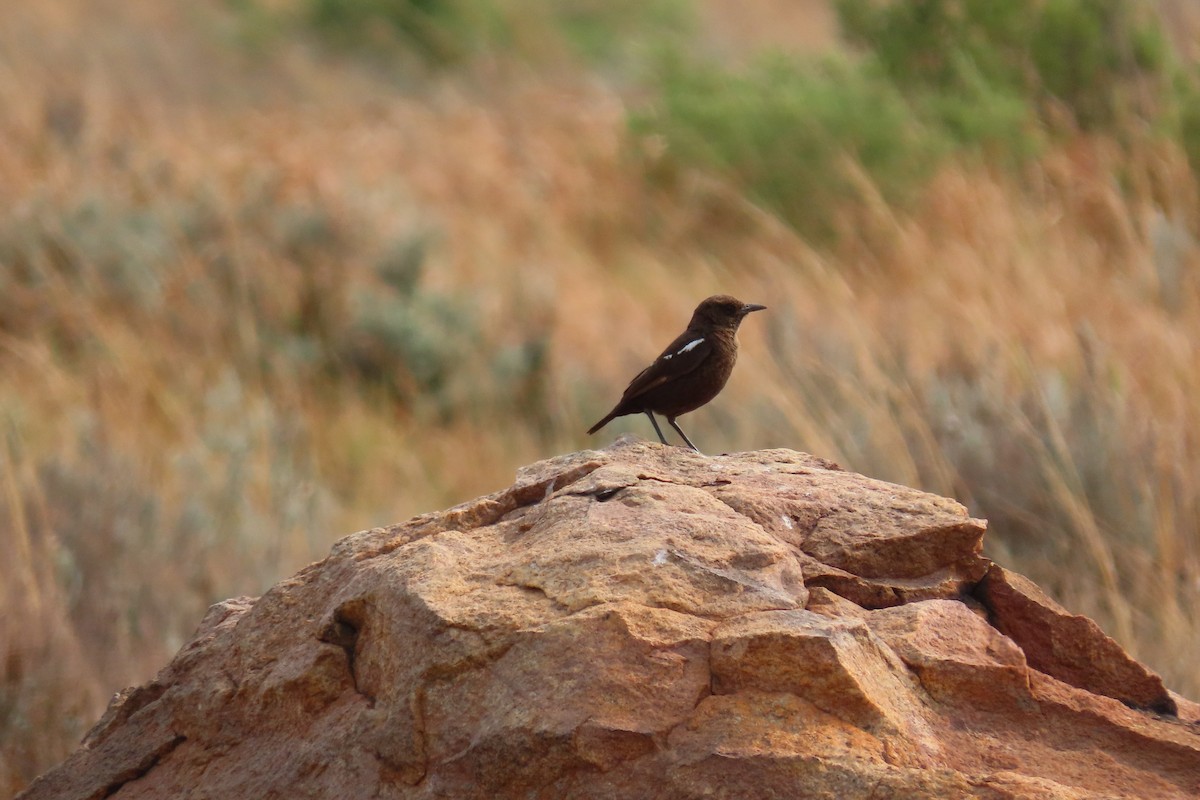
(692, 345)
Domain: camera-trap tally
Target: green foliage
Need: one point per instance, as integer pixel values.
(985, 116)
(440, 31)
(933, 79)
(448, 33)
(960, 63)
(413, 345)
(428, 351)
(941, 44)
(1094, 56)
(401, 264)
(1187, 118)
(787, 132)
(615, 31)
(1090, 56)
(101, 248)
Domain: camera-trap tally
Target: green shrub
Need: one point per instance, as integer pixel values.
(983, 116)
(1186, 122)
(786, 132)
(440, 31)
(934, 78)
(412, 346)
(445, 33)
(941, 44)
(620, 31)
(1099, 58)
(961, 62)
(1093, 57)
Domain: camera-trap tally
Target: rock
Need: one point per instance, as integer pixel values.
(956, 655)
(644, 621)
(1068, 646)
(837, 665)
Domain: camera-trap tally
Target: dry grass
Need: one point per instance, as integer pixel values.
(180, 224)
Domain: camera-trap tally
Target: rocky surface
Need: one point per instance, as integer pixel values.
(645, 622)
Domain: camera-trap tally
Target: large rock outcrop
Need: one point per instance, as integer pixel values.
(645, 622)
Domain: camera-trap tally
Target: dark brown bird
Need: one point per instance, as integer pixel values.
(691, 371)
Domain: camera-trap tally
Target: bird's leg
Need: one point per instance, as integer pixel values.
(657, 430)
(679, 430)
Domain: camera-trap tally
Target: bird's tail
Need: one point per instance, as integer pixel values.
(607, 419)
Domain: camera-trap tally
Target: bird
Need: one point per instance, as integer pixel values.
(691, 371)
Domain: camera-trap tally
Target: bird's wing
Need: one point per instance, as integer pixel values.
(682, 356)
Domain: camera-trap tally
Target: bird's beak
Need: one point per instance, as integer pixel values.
(746, 309)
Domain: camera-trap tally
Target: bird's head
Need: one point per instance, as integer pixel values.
(722, 311)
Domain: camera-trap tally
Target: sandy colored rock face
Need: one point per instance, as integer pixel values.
(1068, 646)
(645, 622)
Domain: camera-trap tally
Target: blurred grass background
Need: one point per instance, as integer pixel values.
(272, 271)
